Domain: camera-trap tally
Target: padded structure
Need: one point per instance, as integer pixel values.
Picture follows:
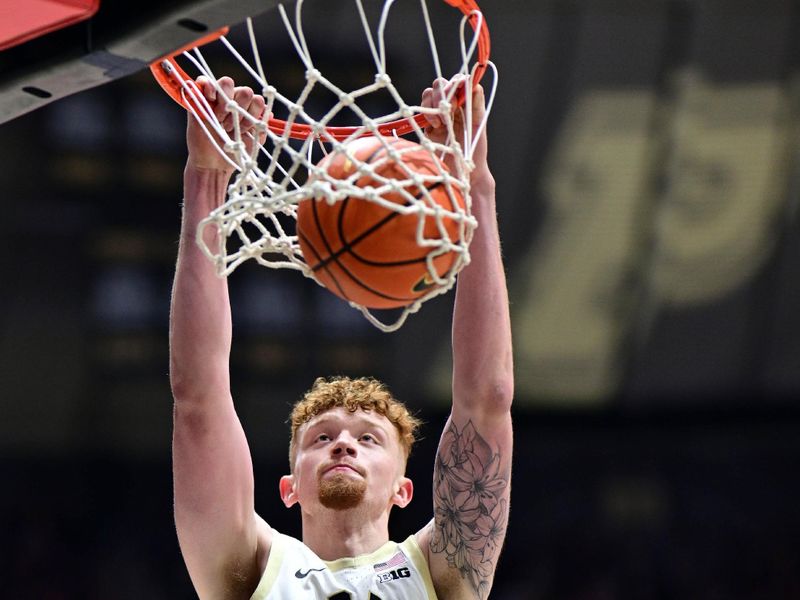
(32, 18)
(118, 40)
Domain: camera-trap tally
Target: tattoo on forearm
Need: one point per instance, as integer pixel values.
(471, 499)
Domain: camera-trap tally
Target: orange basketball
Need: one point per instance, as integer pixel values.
(365, 252)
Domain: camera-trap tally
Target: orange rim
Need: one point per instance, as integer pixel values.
(170, 75)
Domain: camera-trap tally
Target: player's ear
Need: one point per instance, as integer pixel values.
(288, 495)
(403, 492)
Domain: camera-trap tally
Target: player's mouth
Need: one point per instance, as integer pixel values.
(341, 468)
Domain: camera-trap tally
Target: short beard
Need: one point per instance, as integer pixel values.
(340, 492)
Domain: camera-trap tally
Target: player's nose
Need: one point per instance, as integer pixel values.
(344, 445)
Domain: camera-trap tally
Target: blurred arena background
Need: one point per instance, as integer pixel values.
(647, 157)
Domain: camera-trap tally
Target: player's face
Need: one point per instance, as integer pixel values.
(345, 460)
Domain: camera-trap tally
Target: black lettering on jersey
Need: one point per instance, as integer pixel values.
(347, 596)
(392, 575)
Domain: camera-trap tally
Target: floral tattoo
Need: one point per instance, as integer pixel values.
(470, 493)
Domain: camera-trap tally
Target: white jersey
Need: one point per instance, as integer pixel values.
(393, 572)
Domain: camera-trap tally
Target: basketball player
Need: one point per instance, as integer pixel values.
(350, 438)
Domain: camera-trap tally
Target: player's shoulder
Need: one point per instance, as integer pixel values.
(265, 536)
(286, 567)
(281, 547)
(446, 581)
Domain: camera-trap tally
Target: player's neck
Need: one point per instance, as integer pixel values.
(338, 534)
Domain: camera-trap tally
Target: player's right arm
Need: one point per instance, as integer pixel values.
(223, 542)
(472, 473)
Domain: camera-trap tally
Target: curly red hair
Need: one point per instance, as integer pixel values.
(363, 393)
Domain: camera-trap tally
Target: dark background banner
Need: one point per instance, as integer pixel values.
(647, 159)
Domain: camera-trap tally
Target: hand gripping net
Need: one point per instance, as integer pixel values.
(257, 219)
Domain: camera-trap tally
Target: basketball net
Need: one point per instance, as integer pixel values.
(271, 178)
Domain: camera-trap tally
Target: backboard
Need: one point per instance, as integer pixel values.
(121, 38)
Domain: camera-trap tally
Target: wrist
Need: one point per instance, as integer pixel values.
(204, 189)
(482, 181)
(208, 170)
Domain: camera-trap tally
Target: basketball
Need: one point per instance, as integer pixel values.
(367, 253)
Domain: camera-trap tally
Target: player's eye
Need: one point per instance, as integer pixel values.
(323, 437)
(368, 437)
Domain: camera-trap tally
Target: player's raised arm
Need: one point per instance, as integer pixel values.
(220, 536)
(472, 474)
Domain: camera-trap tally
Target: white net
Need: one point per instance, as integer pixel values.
(257, 221)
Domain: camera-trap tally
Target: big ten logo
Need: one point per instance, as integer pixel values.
(393, 575)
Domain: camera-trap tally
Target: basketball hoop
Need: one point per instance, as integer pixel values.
(273, 178)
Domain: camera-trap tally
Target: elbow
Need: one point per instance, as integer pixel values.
(492, 397)
(180, 390)
(181, 383)
(500, 395)
(188, 386)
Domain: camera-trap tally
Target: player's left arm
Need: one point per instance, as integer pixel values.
(472, 474)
